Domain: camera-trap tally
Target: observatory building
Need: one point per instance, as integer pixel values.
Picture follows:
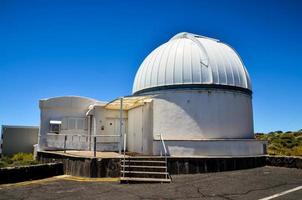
(193, 93)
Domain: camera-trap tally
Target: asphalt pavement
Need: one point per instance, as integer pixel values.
(247, 184)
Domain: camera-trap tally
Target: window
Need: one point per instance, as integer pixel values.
(55, 126)
(81, 124)
(73, 123)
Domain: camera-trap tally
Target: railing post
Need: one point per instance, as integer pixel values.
(94, 145)
(65, 138)
(125, 139)
(121, 125)
(165, 151)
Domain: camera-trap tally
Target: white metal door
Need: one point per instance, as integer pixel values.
(113, 128)
(135, 130)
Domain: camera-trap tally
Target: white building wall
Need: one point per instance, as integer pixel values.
(108, 123)
(66, 108)
(57, 109)
(193, 123)
(214, 114)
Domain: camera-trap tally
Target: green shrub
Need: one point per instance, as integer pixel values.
(287, 136)
(18, 159)
(3, 164)
(22, 157)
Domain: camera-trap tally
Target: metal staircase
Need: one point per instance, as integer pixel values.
(144, 169)
(152, 169)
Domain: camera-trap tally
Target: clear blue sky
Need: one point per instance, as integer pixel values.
(93, 48)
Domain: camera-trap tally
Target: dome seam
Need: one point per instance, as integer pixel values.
(165, 66)
(173, 77)
(160, 60)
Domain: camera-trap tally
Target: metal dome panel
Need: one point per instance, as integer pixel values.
(188, 59)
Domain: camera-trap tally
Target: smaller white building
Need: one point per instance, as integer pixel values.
(18, 139)
(79, 119)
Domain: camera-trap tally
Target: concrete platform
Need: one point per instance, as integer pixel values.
(85, 154)
(107, 164)
(82, 163)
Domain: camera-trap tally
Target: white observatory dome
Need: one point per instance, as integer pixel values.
(189, 60)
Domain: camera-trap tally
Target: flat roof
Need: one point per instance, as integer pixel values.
(19, 126)
(129, 102)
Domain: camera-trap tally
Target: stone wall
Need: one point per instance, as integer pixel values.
(284, 161)
(31, 172)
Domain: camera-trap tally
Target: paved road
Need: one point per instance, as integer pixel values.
(242, 184)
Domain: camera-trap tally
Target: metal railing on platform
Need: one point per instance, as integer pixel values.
(88, 140)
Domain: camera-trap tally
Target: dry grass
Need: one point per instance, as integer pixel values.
(288, 144)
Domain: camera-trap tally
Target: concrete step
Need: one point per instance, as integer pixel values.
(144, 180)
(159, 158)
(140, 166)
(145, 174)
(143, 168)
(144, 162)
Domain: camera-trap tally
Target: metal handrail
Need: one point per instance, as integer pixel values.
(60, 134)
(165, 151)
(81, 135)
(125, 136)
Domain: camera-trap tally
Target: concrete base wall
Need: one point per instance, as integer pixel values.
(191, 148)
(203, 165)
(83, 166)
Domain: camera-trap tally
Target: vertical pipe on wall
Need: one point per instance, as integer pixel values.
(143, 124)
(89, 131)
(94, 130)
(94, 125)
(121, 125)
(94, 146)
(65, 138)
